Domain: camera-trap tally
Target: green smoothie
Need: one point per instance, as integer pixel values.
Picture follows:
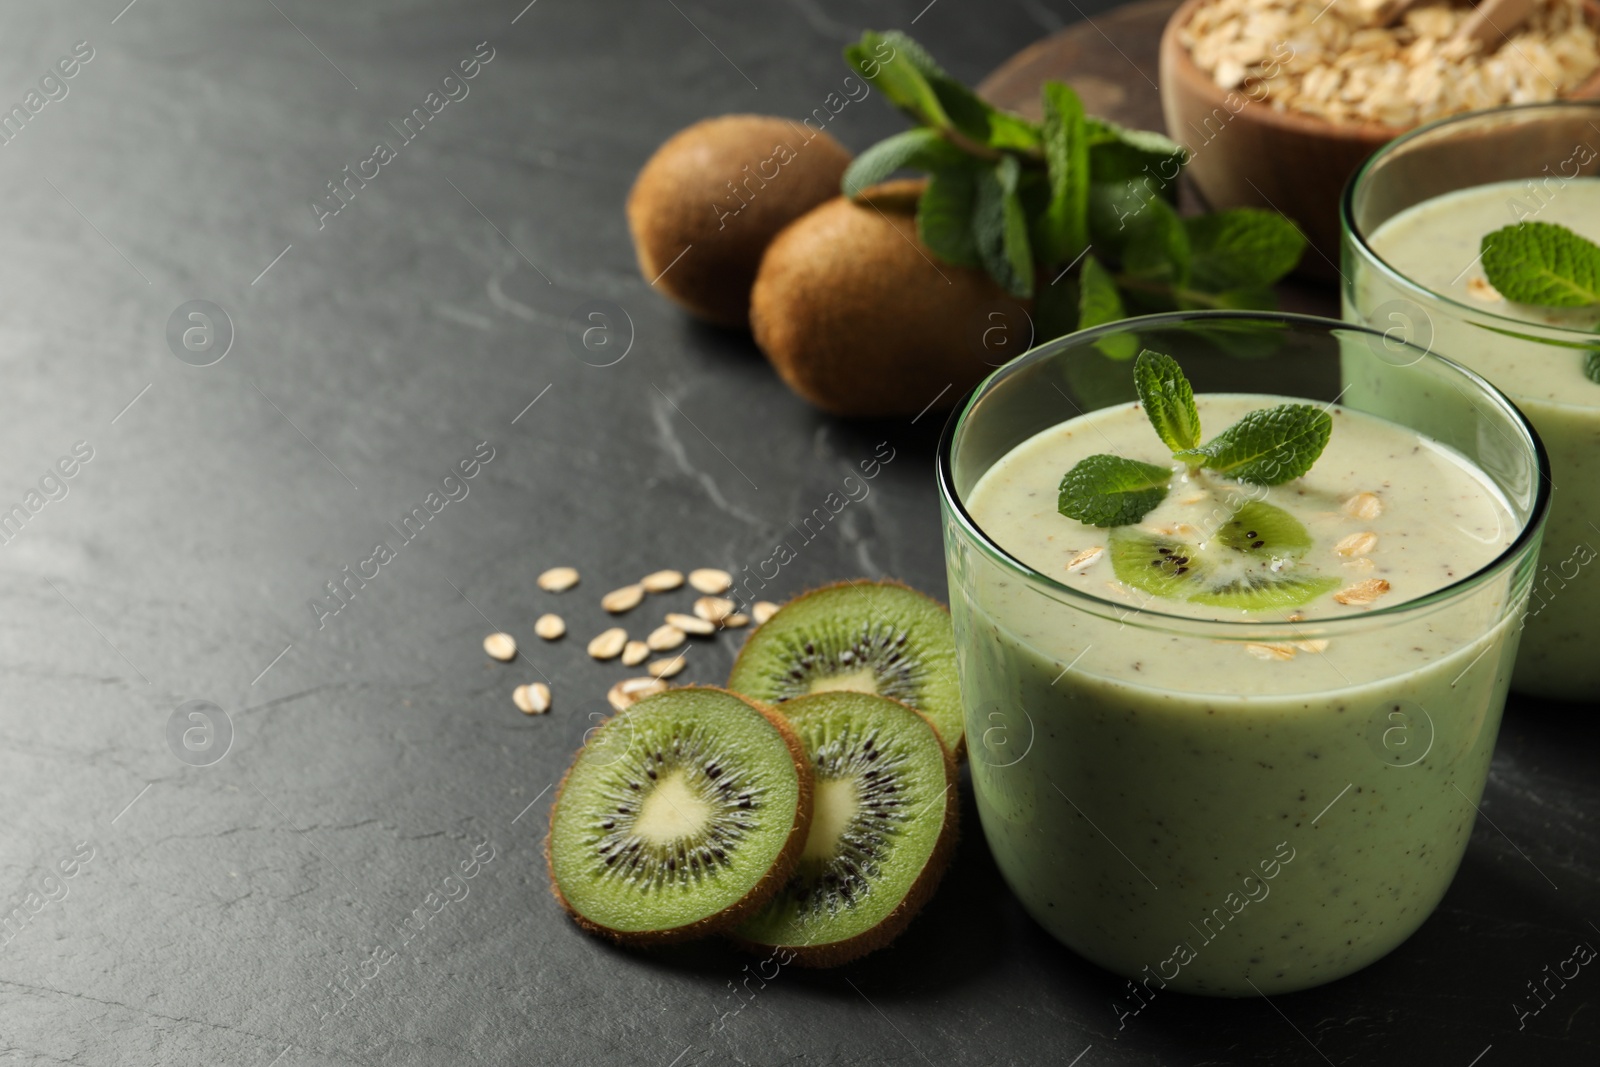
(1435, 244)
(1235, 815)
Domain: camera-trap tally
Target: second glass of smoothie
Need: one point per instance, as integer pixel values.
(1414, 220)
(1259, 772)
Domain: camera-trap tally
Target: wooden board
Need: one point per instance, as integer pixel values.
(1110, 60)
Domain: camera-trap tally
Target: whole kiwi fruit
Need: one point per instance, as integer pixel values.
(859, 318)
(710, 199)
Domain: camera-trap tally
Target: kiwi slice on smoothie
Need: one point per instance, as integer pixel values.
(866, 637)
(1254, 562)
(882, 834)
(679, 817)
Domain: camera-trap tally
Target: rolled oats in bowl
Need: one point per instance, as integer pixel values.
(1331, 61)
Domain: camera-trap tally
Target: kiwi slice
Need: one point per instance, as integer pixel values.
(679, 817)
(883, 830)
(865, 637)
(1253, 563)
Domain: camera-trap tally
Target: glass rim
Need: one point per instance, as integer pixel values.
(1347, 222)
(1242, 629)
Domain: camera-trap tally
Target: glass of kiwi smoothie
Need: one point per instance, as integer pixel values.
(1430, 223)
(1228, 715)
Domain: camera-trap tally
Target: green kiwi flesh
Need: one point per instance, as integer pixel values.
(871, 637)
(884, 827)
(679, 817)
(1254, 562)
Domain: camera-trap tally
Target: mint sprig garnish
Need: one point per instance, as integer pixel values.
(1269, 446)
(1025, 201)
(1544, 264)
(1591, 367)
(1168, 400)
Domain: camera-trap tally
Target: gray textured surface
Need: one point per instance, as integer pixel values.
(374, 753)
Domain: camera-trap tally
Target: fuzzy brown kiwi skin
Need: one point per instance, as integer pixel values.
(758, 896)
(681, 198)
(921, 891)
(860, 318)
(959, 749)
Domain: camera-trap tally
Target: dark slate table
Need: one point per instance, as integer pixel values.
(264, 884)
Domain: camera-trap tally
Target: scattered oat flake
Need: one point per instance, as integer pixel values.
(608, 645)
(625, 599)
(532, 699)
(1270, 652)
(714, 608)
(1314, 644)
(664, 637)
(691, 624)
(1362, 592)
(711, 581)
(736, 621)
(558, 579)
(661, 581)
(635, 653)
(630, 691)
(1082, 560)
(550, 627)
(1363, 506)
(762, 610)
(666, 668)
(501, 646)
(1357, 544)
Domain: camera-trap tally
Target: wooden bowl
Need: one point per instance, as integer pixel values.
(1248, 154)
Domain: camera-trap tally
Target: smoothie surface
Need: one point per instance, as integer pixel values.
(1436, 244)
(1384, 508)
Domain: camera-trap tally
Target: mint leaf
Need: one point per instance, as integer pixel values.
(881, 60)
(919, 149)
(1117, 153)
(1245, 248)
(1114, 209)
(1000, 228)
(1168, 400)
(1269, 446)
(963, 108)
(1591, 366)
(1158, 245)
(944, 217)
(1261, 298)
(1065, 226)
(1098, 304)
(1111, 491)
(1544, 264)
